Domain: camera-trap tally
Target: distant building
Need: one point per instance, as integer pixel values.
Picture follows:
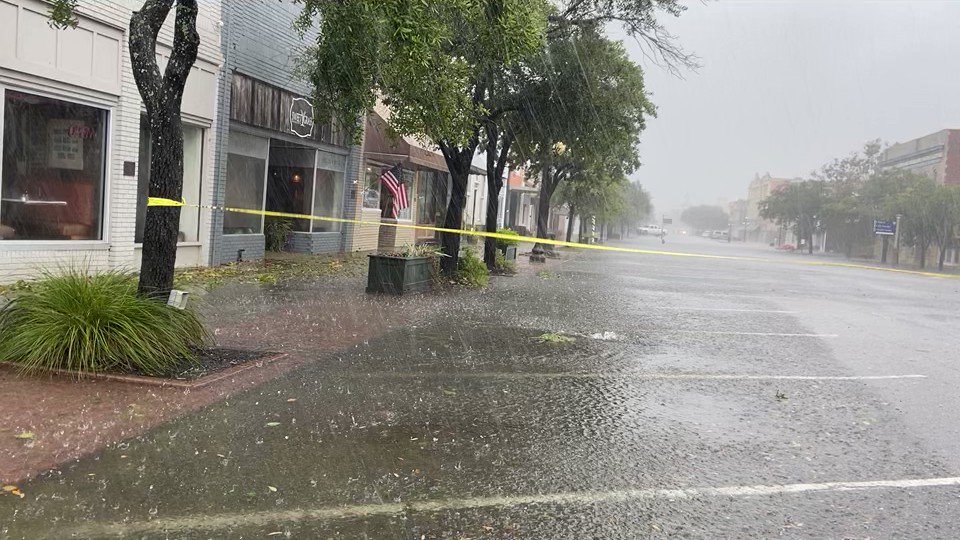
(757, 228)
(936, 155)
(737, 210)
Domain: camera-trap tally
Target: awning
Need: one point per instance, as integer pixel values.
(380, 145)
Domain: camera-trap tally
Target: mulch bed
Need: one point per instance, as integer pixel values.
(208, 361)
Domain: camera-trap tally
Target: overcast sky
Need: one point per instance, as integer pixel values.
(785, 86)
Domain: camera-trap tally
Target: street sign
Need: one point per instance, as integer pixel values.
(884, 227)
(667, 221)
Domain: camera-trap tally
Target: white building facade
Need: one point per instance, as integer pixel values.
(74, 172)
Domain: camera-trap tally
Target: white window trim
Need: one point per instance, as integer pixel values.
(203, 163)
(105, 197)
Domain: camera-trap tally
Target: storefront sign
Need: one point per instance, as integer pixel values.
(301, 118)
(65, 139)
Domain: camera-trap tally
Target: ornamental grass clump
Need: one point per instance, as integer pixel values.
(93, 323)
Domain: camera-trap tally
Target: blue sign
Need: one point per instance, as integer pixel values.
(884, 227)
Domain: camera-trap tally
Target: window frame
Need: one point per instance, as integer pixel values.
(313, 196)
(106, 196)
(266, 172)
(204, 129)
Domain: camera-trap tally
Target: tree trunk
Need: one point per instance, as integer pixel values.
(162, 222)
(543, 210)
(923, 254)
(496, 164)
(459, 160)
(490, 244)
(162, 97)
(450, 242)
(573, 215)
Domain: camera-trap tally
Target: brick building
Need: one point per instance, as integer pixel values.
(936, 155)
(758, 229)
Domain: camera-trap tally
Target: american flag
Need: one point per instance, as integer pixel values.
(392, 179)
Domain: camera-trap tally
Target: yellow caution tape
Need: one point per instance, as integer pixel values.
(159, 201)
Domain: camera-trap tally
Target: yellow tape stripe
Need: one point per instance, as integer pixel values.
(159, 201)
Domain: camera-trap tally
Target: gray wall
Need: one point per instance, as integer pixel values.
(258, 40)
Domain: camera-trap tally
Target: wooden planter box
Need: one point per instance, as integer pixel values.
(398, 275)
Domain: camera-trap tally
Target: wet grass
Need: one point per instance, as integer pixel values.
(275, 268)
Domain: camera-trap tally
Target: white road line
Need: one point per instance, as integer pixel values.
(732, 310)
(233, 521)
(614, 375)
(774, 334)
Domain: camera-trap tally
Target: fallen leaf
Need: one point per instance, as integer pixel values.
(25, 435)
(13, 490)
(272, 489)
(273, 424)
(449, 392)
(275, 533)
(291, 400)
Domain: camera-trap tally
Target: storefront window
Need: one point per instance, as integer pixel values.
(192, 172)
(371, 188)
(328, 199)
(290, 181)
(246, 174)
(377, 195)
(431, 197)
(53, 169)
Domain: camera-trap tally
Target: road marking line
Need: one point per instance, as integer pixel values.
(233, 521)
(774, 334)
(733, 310)
(640, 376)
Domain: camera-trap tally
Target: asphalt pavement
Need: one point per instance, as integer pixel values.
(611, 395)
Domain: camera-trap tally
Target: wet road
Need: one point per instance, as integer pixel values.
(700, 397)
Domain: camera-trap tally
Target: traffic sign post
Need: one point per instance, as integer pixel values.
(886, 229)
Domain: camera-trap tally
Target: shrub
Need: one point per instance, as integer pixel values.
(502, 243)
(501, 263)
(95, 323)
(275, 231)
(471, 271)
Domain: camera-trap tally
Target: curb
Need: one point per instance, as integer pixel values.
(159, 382)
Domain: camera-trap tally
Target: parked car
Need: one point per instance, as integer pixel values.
(707, 234)
(653, 230)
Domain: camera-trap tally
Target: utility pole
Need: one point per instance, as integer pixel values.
(896, 242)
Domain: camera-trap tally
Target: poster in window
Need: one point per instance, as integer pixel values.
(65, 143)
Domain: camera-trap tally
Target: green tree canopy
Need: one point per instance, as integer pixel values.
(705, 217)
(582, 108)
(431, 61)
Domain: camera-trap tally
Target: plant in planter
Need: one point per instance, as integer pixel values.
(471, 271)
(276, 232)
(413, 269)
(94, 323)
(508, 247)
